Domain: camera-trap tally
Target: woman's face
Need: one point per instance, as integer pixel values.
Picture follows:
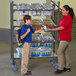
(64, 11)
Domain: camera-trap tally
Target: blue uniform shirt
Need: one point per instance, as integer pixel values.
(24, 30)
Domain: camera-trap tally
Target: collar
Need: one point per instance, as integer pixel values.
(67, 15)
(26, 25)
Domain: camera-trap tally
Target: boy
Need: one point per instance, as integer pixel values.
(26, 47)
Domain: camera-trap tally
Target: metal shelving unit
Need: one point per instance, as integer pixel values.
(12, 10)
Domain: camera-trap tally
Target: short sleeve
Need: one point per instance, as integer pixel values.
(65, 23)
(23, 31)
(33, 30)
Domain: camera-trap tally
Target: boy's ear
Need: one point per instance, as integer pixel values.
(26, 20)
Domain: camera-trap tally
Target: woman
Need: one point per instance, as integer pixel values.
(65, 30)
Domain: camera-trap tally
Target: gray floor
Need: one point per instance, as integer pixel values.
(39, 67)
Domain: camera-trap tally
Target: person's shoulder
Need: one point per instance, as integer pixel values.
(69, 16)
(23, 28)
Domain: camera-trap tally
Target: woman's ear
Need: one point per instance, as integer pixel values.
(68, 11)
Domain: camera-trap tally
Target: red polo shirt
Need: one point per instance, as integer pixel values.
(65, 34)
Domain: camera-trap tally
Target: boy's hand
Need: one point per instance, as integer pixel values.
(28, 30)
(42, 28)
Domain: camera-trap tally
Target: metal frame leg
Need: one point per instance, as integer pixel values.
(12, 60)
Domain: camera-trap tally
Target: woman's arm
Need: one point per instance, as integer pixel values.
(56, 29)
(23, 36)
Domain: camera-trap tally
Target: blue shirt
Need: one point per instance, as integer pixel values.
(24, 30)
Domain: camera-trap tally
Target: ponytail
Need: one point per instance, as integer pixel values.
(71, 12)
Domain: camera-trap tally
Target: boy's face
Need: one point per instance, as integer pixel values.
(28, 21)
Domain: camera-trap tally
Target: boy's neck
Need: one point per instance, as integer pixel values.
(26, 23)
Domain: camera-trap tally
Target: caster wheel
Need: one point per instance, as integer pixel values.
(11, 61)
(52, 62)
(14, 68)
(55, 66)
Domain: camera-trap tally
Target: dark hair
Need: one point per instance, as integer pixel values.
(26, 17)
(71, 12)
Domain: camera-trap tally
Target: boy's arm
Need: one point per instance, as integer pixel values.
(39, 30)
(23, 36)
